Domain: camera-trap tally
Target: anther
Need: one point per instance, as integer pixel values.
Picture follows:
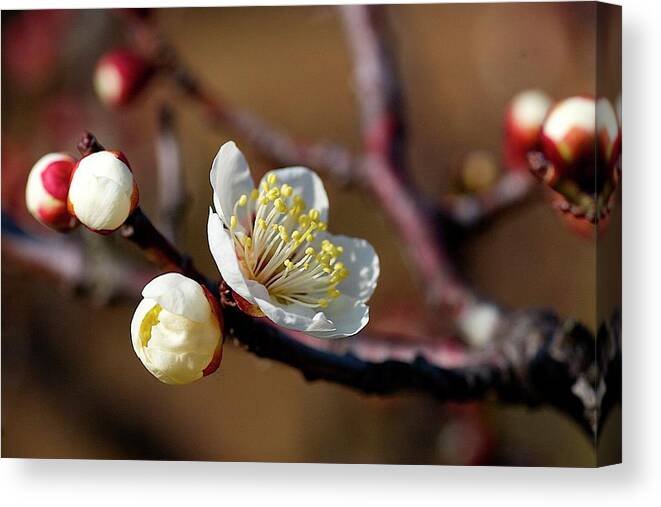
(280, 206)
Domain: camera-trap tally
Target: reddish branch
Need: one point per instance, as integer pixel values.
(383, 170)
(524, 337)
(378, 99)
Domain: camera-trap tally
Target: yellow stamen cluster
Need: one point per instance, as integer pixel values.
(274, 233)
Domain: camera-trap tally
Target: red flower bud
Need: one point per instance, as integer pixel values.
(523, 125)
(47, 190)
(119, 77)
(581, 140)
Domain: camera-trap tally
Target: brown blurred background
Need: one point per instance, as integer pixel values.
(71, 384)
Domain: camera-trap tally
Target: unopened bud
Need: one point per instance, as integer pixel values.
(176, 330)
(580, 139)
(608, 134)
(47, 190)
(523, 125)
(119, 76)
(568, 141)
(478, 324)
(103, 192)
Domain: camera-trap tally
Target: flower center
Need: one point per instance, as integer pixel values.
(273, 232)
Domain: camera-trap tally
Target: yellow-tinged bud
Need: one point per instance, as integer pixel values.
(176, 330)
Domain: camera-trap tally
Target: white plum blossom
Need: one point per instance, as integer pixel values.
(103, 192)
(272, 248)
(176, 330)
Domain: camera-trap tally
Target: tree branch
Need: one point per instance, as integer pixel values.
(472, 210)
(171, 183)
(383, 168)
(539, 358)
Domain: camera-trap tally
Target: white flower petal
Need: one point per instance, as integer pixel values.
(307, 184)
(175, 368)
(222, 249)
(230, 178)
(291, 316)
(179, 295)
(98, 202)
(100, 191)
(138, 316)
(348, 316)
(362, 262)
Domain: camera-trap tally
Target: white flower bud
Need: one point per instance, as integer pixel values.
(47, 189)
(478, 324)
(176, 330)
(103, 192)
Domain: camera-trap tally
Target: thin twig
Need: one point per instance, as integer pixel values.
(383, 166)
(273, 143)
(471, 210)
(171, 183)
